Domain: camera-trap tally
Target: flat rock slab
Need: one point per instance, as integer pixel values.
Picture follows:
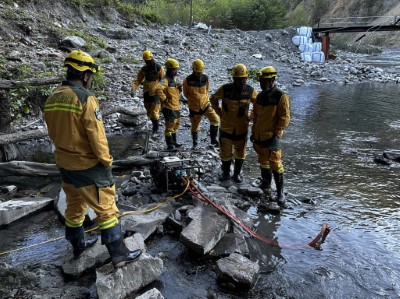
(146, 224)
(97, 256)
(152, 294)
(205, 230)
(118, 283)
(15, 209)
(238, 270)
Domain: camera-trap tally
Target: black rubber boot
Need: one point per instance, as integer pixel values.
(226, 171)
(195, 137)
(120, 254)
(237, 178)
(155, 126)
(75, 235)
(176, 144)
(213, 135)
(278, 177)
(266, 175)
(170, 142)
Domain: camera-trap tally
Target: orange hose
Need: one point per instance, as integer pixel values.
(316, 243)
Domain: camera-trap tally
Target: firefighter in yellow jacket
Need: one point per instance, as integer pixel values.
(76, 128)
(271, 115)
(171, 106)
(150, 75)
(235, 101)
(195, 89)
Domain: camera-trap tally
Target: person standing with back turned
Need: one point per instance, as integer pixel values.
(76, 128)
(271, 115)
(195, 89)
(150, 75)
(236, 98)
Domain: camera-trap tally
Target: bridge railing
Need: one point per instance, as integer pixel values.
(359, 21)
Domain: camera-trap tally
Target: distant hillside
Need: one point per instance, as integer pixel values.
(357, 8)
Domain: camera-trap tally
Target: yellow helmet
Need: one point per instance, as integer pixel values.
(268, 72)
(81, 61)
(198, 66)
(147, 55)
(171, 63)
(240, 71)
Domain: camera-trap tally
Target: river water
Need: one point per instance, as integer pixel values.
(329, 147)
(328, 156)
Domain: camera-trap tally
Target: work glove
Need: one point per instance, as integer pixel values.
(274, 143)
(133, 94)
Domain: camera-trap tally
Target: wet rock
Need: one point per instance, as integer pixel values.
(152, 294)
(394, 156)
(98, 255)
(118, 283)
(271, 207)
(230, 243)
(238, 270)
(17, 208)
(250, 191)
(39, 281)
(147, 223)
(205, 230)
(7, 192)
(94, 256)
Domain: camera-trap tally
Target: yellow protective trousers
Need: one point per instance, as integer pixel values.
(269, 159)
(229, 147)
(195, 118)
(172, 127)
(153, 110)
(92, 188)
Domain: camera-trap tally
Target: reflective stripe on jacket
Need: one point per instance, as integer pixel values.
(76, 128)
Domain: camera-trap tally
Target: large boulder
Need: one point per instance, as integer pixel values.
(205, 230)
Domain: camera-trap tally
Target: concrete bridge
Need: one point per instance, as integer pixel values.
(353, 24)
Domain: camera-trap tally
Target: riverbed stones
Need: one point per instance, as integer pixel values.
(146, 223)
(15, 209)
(152, 294)
(205, 229)
(230, 243)
(118, 283)
(98, 255)
(238, 270)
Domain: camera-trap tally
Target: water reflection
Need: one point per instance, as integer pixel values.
(328, 156)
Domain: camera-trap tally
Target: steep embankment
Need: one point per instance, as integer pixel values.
(362, 8)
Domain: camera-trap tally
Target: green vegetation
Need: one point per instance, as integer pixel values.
(299, 17)
(129, 59)
(242, 14)
(253, 74)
